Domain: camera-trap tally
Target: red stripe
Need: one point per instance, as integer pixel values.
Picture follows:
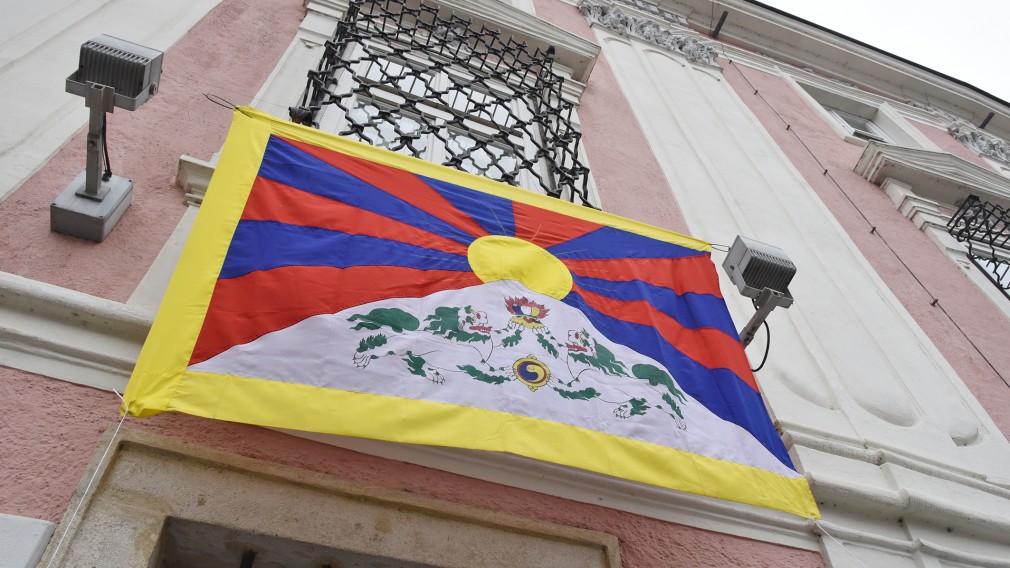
(245, 308)
(546, 228)
(682, 275)
(398, 183)
(274, 201)
(708, 346)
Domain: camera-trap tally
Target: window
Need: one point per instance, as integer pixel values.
(857, 116)
(424, 83)
(860, 127)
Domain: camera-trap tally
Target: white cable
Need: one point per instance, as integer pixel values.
(98, 468)
(825, 532)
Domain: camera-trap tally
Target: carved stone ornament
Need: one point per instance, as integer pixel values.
(931, 109)
(664, 35)
(985, 144)
(921, 106)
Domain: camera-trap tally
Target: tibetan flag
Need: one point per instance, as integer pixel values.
(330, 286)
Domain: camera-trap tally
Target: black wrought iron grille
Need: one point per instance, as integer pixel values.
(984, 227)
(425, 82)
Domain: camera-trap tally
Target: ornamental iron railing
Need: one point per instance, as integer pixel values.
(425, 82)
(984, 228)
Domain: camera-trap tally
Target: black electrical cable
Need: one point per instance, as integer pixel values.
(219, 100)
(105, 150)
(768, 344)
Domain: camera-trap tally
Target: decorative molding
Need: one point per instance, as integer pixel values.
(68, 335)
(652, 9)
(932, 111)
(938, 176)
(675, 36)
(987, 145)
(909, 109)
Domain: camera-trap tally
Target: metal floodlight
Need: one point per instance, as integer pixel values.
(112, 73)
(761, 272)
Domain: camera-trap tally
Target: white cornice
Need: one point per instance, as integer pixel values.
(756, 29)
(909, 108)
(939, 176)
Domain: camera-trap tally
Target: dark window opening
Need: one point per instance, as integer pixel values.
(192, 544)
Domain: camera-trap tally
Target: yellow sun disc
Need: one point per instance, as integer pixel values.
(497, 257)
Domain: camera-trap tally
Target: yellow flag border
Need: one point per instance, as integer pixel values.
(161, 381)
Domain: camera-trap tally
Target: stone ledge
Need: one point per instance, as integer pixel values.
(23, 539)
(68, 335)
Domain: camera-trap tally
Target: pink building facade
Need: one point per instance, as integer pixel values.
(888, 378)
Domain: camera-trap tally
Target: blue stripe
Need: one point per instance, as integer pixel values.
(286, 164)
(608, 242)
(262, 245)
(691, 310)
(720, 390)
(491, 212)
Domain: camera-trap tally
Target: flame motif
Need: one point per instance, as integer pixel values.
(526, 312)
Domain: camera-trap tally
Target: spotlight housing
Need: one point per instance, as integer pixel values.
(761, 272)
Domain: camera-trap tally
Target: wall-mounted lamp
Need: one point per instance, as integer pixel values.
(112, 73)
(761, 272)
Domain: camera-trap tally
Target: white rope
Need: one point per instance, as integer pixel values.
(91, 482)
(825, 532)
